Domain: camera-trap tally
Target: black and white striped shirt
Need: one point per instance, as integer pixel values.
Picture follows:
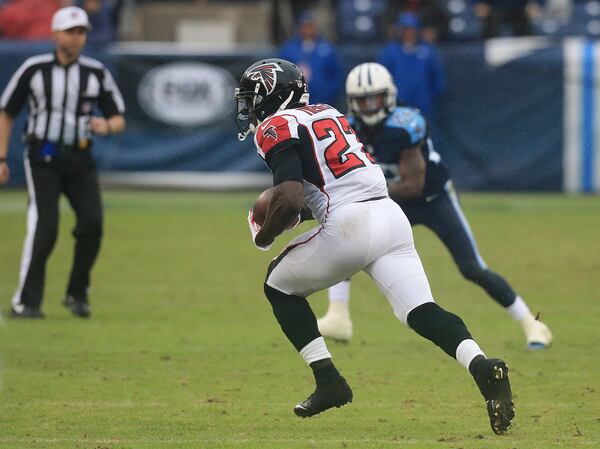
(60, 98)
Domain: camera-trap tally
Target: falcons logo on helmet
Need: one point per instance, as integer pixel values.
(270, 132)
(265, 74)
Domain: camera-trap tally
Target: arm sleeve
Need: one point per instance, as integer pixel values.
(110, 100)
(16, 91)
(286, 165)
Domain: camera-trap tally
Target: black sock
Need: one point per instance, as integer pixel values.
(324, 371)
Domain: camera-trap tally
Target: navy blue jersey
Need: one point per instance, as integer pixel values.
(404, 128)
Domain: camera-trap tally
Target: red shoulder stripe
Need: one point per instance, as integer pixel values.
(272, 132)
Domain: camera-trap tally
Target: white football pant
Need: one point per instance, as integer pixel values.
(373, 236)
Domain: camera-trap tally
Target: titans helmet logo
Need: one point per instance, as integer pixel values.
(265, 74)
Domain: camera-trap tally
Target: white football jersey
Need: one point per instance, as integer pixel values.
(336, 168)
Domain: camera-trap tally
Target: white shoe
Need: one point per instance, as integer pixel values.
(336, 324)
(538, 335)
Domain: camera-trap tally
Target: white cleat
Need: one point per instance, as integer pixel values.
(538, 335)
(336, 324)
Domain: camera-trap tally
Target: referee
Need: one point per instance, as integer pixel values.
(62, 91)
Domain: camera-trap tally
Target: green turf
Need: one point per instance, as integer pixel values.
(183, 352)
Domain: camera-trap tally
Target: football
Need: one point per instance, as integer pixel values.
(261, 205)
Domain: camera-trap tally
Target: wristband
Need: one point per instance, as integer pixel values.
(3, 160)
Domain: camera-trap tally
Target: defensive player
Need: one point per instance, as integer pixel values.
(317, 161)
(419, 182)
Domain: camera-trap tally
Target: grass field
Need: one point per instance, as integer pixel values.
(183, 352)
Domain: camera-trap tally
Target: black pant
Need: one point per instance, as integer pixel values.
(74, 174)
(444, 216)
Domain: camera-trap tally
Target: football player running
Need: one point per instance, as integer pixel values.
(417, 180)
(320, 169)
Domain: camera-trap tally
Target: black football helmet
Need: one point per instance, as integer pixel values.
(268, 86)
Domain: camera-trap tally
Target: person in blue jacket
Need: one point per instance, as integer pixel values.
(102, 31)
(318, 60)
(415, 66)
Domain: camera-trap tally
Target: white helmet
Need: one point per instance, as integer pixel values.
(364, 82)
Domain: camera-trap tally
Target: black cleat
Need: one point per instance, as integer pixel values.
(79, 308)
(22, 311)
(334, 394)
(492, 379)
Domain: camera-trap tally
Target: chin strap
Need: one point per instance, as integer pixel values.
(374, 119)
(286, 102)
(242, 135)
(304, 98)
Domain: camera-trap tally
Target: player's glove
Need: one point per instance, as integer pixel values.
(254, 228)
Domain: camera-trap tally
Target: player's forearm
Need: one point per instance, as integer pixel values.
(284, 208)
(407, 189)
(410, 182)
(279, 217)
(6, 122)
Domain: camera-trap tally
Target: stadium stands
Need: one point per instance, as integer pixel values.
(360, 21)
(463, 24)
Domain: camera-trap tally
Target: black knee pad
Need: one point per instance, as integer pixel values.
(439, 326)
(294, 315)
(273, 295)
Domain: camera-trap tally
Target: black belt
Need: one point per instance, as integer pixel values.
(37, 143)
(377, 198)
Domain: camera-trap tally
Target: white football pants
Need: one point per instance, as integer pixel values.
(373, 236)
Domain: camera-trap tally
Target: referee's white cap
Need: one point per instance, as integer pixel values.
(70, 17)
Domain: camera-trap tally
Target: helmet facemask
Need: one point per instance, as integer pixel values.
(371, 108)
(246, 109)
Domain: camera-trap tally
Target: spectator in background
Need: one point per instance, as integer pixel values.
(28, 19)
(432, 13)
(102, 20)
(515, 14)
(415, 66)
(318, 60)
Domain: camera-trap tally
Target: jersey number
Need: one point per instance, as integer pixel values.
(338, 161)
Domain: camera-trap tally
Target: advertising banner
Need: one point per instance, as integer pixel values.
(518, 115)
